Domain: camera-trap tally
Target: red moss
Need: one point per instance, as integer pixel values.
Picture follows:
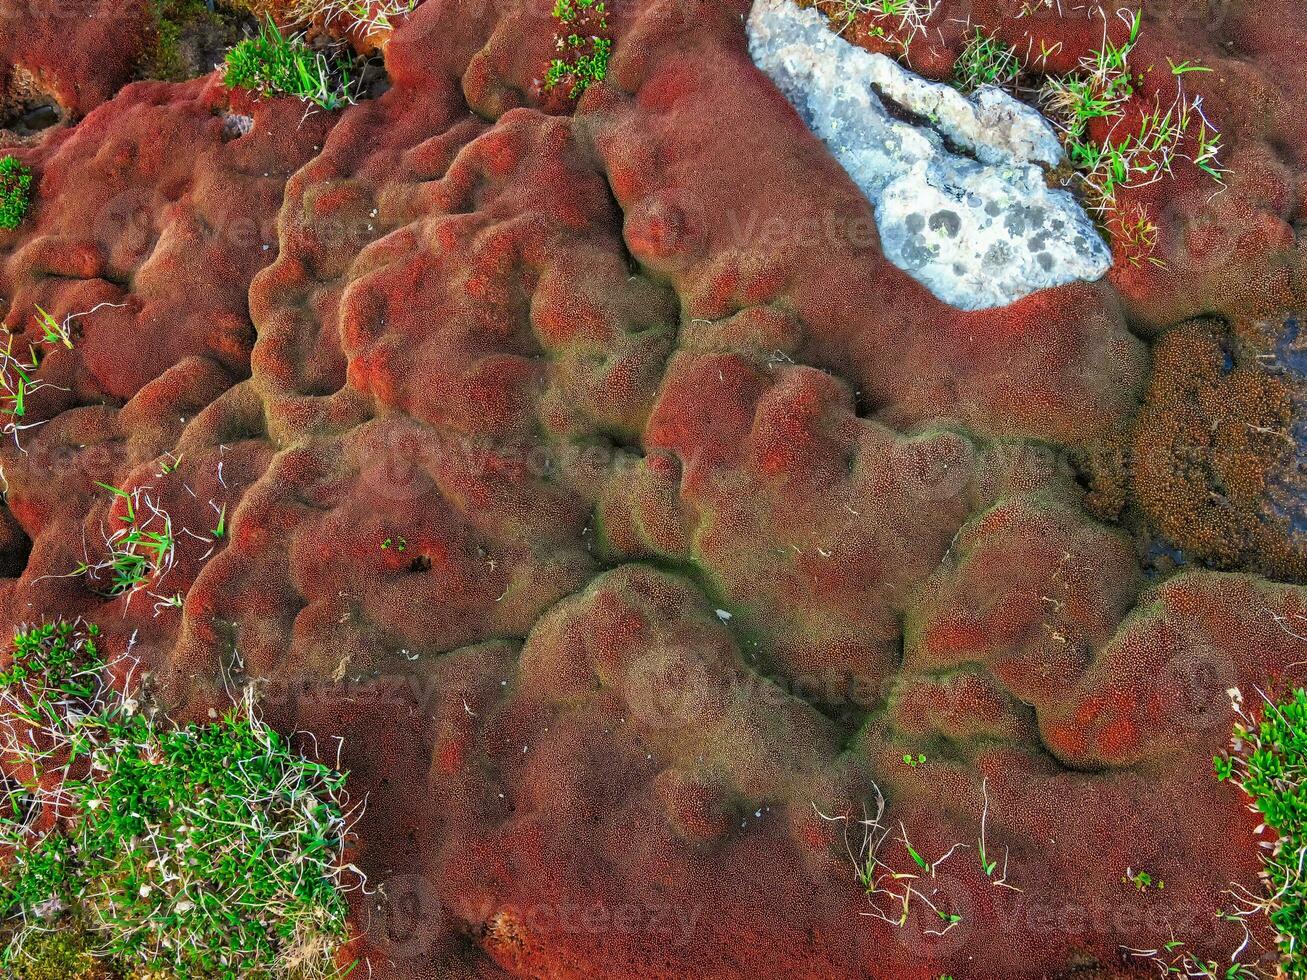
(709, 515)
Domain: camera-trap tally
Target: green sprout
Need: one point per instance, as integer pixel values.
(1186, 66)
(141, 552)
(1142, 880)
(15, 192)
(1135, 231)
(192, 851)
(272, 65)
(16, 382)
(54, 332)
(986, 61)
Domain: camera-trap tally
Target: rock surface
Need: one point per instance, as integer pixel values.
(979, 227)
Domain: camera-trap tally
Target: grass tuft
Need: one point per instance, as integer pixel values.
(193, 851)
(368, 16)
(1091, 106)
(273, 64)
(897, 22)
(986, 61)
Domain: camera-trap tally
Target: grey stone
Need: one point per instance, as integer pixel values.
(961, 201)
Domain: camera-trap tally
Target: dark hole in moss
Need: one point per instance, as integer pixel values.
(15, 546)
(25, 108)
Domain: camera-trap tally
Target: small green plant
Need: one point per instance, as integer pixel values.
(17, 382)
(15, 192)
(219, 530)
(54, 332)
(139, 553)
(570, 11)
(273, 64)
(986, 61)
(585, 59)
(1171, 959)
(988, 864)
(194, 851)
(890, 893)
(1268, 761)
(1134, 232)
(913, 760)
(1142, 880)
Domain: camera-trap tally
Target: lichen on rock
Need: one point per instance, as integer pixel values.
(961, 201)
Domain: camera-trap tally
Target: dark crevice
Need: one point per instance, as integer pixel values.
(15, 546)
(26, 108)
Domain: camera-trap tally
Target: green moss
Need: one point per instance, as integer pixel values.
(1268, 760)
(15, 192)
(251, 830)
(59, 955)
(165, 59)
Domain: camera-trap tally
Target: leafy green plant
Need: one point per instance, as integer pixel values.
(1268, 761)
(986, 61)
(193, 851)
(586, 56)
(15, 192)
(273, 64)
(1141, 879)
(570, 11)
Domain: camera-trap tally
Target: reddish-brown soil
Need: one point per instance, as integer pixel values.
(597, 489)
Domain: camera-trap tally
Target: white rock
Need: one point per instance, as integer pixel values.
(961, 201)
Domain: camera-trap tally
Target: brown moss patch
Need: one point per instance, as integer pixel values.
(1206, 444)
